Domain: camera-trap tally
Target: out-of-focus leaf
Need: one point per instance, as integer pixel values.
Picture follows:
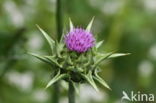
(57, 77)
(90, 25)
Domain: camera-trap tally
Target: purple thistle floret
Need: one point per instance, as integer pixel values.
(79, 40)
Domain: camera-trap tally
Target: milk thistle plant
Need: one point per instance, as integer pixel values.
(75, 58)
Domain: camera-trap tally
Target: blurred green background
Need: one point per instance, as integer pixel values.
(125, 25)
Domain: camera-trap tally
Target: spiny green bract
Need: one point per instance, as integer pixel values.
(73, 66)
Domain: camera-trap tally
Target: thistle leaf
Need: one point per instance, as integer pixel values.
(101, 81)
(99, 44)
(48, 38)
(113, 55)
(42, 58)
(90, 80)
(118, 55)
(103, 57)
(71, 24)
(69, 60)
(90, 25)
(53, 60)
(62, 37)
(56, 78)
(60, 47)
(89, 57)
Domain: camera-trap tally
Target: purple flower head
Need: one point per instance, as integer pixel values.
(79, 40)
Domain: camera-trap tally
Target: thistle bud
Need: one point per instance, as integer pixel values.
(76, 64)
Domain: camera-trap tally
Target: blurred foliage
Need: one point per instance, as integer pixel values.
(125, 25)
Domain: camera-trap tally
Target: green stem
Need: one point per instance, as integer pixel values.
(56, 93)
(56, 90)
(71, 93)
(59, 19)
